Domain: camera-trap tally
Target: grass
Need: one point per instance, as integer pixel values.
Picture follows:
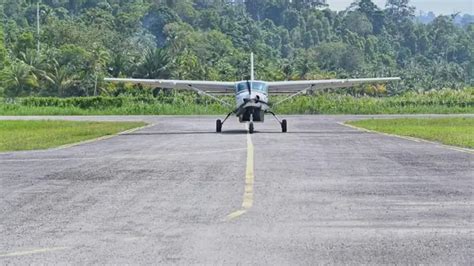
(185, 103)
(34, 135)
(450, 131)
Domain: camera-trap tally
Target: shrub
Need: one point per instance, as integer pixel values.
(187, 103)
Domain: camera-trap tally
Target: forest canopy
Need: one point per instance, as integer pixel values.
(83, 41)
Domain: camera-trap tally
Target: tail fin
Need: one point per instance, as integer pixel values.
(252, 73)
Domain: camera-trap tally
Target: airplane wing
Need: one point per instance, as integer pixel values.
(205, 86)
(303, 85)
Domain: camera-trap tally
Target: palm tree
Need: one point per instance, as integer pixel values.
(36, 63)
(156, 65)
(61, 78)
(287, 70)
(99, 60)
(118, 64)
(18, 79)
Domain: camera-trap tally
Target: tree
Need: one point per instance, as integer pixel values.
(61, 78)
(256, 8)
(76, 5)
(373, 13)
(352, 60)
(330, 55)
(98, 61)
(156, 20)
(306, 4)
(291, 19)
(25, 41)
(156, 65)
(399, 10)
(87, 40)
(36, 63)
(18, 80)
(3, 50)
(188, 66)
(304, 64)
(358, 22)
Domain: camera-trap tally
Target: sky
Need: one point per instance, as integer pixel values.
(444, 7)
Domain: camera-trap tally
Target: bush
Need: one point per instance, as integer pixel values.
(412, 102)
(188, 103)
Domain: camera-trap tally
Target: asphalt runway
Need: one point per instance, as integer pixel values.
(178, 193)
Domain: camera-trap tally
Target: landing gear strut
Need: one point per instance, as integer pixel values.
(220, 123)
(283, 123)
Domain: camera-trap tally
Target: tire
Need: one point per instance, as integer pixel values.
(251, 128)
(218, 126)
(284, 126)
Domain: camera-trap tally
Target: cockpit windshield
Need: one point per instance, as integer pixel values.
(255, 85)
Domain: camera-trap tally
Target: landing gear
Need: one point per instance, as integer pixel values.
(284, 126)
(220, 123)
(251, 128)
(218, 126)
(283, 123)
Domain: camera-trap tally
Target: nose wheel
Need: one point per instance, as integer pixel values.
(251, 128)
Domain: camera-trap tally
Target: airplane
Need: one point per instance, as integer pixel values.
(251, 96)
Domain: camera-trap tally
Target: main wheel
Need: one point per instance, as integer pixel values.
(284, 126)
(251, 128)
(218, 126)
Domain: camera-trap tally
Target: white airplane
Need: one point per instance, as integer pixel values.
(251, 95)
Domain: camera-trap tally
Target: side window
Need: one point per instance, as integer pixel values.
(237, 87)
(241, 87)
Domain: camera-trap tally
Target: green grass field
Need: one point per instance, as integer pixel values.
(450, 131)
(34, 135)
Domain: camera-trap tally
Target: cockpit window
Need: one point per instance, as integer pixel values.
(256, 86)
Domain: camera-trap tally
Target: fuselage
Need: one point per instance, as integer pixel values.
(251, 100)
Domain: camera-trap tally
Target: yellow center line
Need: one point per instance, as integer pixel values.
(247, 201)
(31, 252)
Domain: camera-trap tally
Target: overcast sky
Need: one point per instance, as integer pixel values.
(437, 6)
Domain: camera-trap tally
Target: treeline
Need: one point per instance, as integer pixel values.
(83, 41)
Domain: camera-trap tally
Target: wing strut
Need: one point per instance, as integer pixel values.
(201, 92)
(310, 88)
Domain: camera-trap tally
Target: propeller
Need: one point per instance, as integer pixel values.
(249, 88)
